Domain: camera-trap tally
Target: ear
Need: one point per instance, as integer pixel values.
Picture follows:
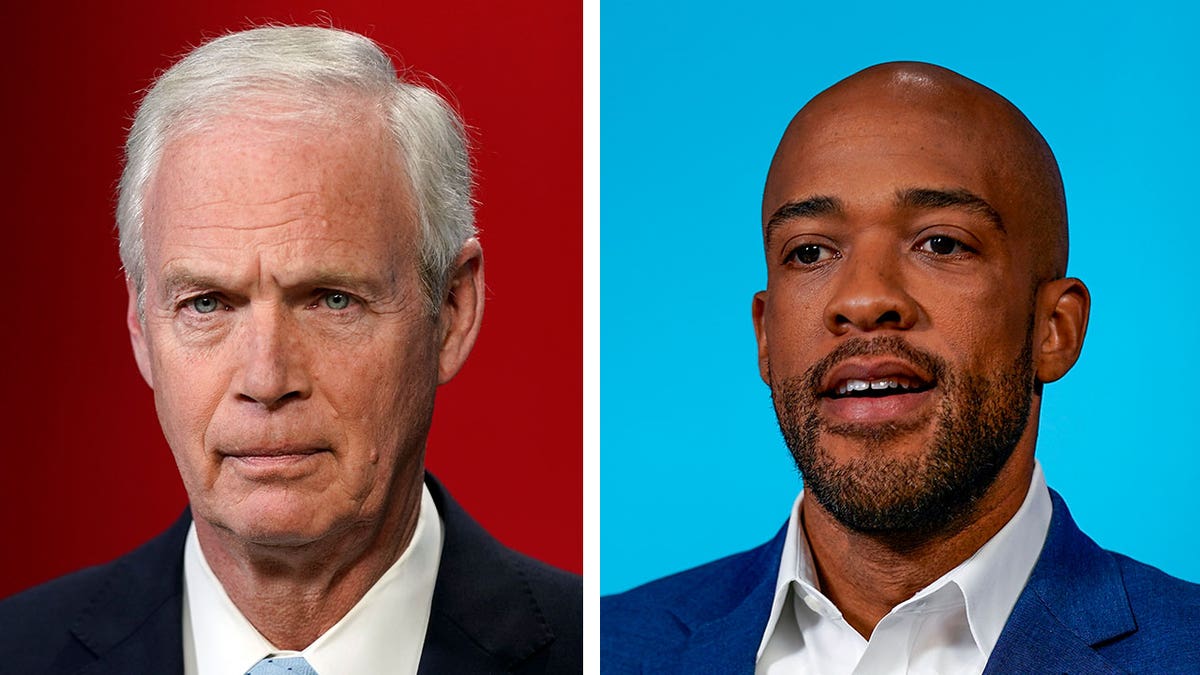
(137, 333)
(757, 309)
(462, 310)
(1062, 317)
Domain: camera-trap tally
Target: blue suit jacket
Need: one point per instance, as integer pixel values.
(1084, 610)
(494, 611)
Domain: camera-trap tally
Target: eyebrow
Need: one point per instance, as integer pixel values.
(819, 206)
(965, 200)
(811, 207)
(179, 281)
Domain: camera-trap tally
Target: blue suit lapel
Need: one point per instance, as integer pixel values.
(728, 645)
(133, 623)
(1075, 599)
(727, 618)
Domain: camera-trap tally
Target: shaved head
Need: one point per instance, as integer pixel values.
(915, 233)
(913, 99)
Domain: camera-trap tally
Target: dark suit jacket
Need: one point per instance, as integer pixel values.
(1084, 610)
(494, 611)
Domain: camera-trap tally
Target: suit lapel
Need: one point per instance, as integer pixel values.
(727, 615)
(1075, 599)
(484, 616)
(133, 623)
(1034, 640)
(729, 644)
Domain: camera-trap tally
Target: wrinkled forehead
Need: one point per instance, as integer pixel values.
(247, 160)
(299, 187)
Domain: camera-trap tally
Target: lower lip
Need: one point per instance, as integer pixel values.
(274, 467)
(866, 410)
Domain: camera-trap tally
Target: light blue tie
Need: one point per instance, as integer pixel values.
(282, 665)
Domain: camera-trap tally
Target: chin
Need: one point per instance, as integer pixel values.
(275, 519)
(863, 441)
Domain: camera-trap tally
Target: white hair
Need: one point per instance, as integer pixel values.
(316, 69)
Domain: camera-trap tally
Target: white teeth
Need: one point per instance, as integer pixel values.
(850, 386)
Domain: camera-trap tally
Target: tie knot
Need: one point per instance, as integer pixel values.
(282, 665)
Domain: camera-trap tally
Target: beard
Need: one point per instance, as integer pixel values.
(978, 423)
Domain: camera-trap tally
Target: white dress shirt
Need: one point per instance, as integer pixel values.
(383, 633)
(950, 626)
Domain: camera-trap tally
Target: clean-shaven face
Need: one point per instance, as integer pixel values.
(292, 358)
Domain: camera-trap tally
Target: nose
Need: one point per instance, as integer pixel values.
(870, 294)
(273, 372)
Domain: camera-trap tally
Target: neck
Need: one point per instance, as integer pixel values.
(867, 574)
(293, 594)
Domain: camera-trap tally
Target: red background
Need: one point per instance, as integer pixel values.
(85, 473)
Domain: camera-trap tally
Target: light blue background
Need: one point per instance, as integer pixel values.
(694, 97)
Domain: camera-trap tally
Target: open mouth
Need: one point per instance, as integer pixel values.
(876, 387)
(884, 383)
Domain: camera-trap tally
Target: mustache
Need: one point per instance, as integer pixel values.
(887, 345)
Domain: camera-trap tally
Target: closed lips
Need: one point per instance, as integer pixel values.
(273, 452)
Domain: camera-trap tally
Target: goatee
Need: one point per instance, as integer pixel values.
(978, 423)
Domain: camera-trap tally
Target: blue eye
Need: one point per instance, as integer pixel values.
(205, 304)
(337, 300)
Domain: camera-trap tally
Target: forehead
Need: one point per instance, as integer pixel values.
(863, 148)
(242, 182)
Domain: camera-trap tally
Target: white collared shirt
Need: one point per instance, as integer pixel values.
(950, 626)
(383, 633)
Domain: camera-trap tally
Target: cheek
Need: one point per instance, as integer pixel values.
(794, 326)
(188, 388)
(187, 396)
(379, 391)
(985, 325)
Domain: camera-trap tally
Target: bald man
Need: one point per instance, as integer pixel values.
(917, 302)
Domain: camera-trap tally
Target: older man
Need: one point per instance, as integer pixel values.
(297, 232)
(917, 303)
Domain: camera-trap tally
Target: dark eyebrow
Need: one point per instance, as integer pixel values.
(812, 207)
(925, 198)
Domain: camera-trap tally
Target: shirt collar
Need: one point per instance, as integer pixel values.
(993, 578)
(383, 632)
(989, 582)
